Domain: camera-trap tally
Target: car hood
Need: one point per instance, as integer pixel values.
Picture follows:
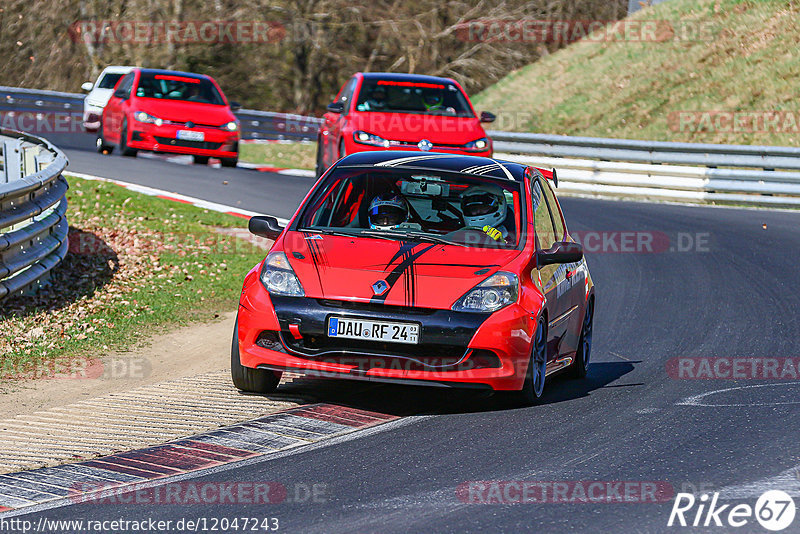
(179, 111)
(424, 275)
(99, 97)
(440, 130)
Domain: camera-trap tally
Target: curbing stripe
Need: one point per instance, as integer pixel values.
(271, 434)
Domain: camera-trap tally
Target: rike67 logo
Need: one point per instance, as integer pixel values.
(774, 510)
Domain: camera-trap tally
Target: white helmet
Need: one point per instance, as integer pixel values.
(483, 205)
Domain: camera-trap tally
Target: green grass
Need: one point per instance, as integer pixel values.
(138, 265)
(285, 155)
(635, 90)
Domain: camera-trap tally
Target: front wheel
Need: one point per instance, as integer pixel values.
(200, 160)
(249, 379)
(533, 387)
(100, 143)
(319, 169)
(123, 142)
(229, 162)
(581, 365)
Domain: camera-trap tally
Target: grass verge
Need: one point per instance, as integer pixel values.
(728, 56)
(137, 265)
(288, 155)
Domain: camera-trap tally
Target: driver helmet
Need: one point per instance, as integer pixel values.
(433, 100)
(483, 205)
(387, 212)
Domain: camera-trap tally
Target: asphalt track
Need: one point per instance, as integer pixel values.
(628, 421)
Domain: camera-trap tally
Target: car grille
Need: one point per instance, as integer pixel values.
(205, 145)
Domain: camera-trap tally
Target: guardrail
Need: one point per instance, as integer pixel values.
(33, 224)
(254, 124)
(693, 172)
(758, 175)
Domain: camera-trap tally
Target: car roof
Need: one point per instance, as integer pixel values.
(435, 161)
(118, 69)
(400, 77)
(173, 73)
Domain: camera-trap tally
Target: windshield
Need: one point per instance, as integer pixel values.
(413, 97)
(413, 205)
(109, 81)
(175, 87)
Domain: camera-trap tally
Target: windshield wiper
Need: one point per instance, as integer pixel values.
(425, 238)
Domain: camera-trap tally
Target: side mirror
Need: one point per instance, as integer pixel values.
(562, 252)
(555, 178)
(336, 107)
(235, 106)
(265, 226)
(87, 86)
(487, 116)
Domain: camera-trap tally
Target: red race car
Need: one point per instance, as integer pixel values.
(383, 111)
(434, 269)
(168, 111)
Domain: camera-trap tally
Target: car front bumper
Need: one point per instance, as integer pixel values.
(217, 142)
(456, 349)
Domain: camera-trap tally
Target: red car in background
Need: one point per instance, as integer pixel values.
(170, 111)
(384, 111)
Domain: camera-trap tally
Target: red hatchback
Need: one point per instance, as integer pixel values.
(168, 111)
(382, 111)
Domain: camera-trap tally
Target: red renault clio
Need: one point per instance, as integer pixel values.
(170, 111)
(383, 111)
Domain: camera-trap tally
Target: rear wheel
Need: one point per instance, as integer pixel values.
(248, 379)
(581, 365)
(123, 142)
(100, 142)
(533, 387)
(200, 160)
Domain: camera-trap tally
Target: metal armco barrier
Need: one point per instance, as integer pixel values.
(683, 172)
(693, 172)
(254, 124)
(33, 224)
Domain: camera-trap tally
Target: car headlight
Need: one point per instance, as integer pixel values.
(278, 276)
(231, 126)
(141, 116)
(370, 139)
(478, 145)
(494, 293)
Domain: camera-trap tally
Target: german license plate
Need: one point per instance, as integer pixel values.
(191, 135)
(366, 329)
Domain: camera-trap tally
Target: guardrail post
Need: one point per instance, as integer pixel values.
(12, 164)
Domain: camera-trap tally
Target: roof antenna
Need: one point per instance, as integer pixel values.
(555, 178)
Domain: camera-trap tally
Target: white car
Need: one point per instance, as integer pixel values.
(99, 93)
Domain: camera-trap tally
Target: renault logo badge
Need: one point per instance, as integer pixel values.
(380, 287)
(425, 145)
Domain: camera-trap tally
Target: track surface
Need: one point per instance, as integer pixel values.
(624, 423)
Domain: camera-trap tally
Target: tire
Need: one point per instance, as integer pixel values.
(533, 387)
(582, 356)
(229, 162)
(102, 146)
(123, 142)
(248, 379)
(319, 169)
(342, 149)
(200, 160)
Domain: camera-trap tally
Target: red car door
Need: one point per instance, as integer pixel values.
(335, 122)
(114, 111)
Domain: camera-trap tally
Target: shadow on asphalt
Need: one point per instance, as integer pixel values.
(404, 400)
(89, 265)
